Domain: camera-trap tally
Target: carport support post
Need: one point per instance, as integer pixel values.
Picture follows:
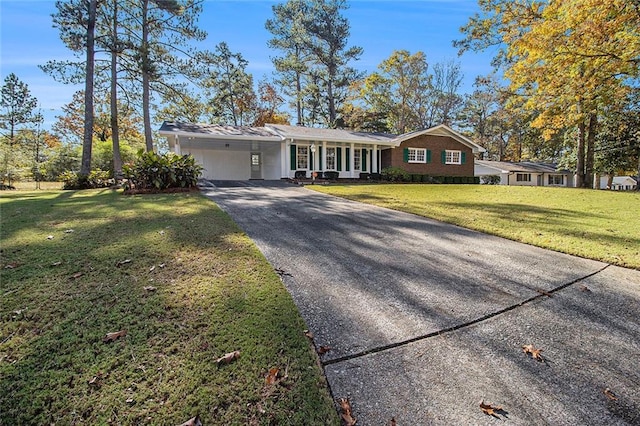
(285, 159)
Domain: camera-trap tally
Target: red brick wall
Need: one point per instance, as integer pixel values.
(394, 157)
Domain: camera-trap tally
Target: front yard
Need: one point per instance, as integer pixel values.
(601, 225)
(179, 284)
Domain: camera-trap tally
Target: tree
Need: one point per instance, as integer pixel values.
(566, 60)
(230, 88)
(290, 37)
(313, 35)
(17, 110)
(70, 125)
(269, 103)
(618, 143)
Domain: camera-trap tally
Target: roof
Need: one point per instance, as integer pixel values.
(330, 135)
(281, 132)
(621, 180)
(218, 131)
(524, 166)
(442, 130)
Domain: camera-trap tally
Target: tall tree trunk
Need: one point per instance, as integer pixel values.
(332, 101)
(591, 141)
(580, 177)
(85, 165)
(115, 135)
(299, 98)
(146, 69)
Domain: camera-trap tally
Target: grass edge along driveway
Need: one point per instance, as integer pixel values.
(599, 225)
(184, 283)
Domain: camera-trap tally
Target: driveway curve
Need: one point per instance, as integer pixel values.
(425, 320)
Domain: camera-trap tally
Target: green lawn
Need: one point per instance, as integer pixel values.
(602, 225)
(75, 266)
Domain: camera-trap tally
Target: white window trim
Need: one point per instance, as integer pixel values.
(450, 160)
(335, 158)
(415, 156)
(298, 157)
(555, 177)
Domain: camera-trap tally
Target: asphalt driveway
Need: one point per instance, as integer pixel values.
(425, 320)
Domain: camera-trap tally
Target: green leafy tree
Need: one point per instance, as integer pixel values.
(314, 67)
(17, 111)
(230, 88)
(566, 61)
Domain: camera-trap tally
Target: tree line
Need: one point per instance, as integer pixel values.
(565, 86)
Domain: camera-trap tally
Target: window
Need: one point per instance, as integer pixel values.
(331, 158)
(523, 177)
(453, 157)
(302, 160)
(417, 155)
(357, 156)
(556, 180)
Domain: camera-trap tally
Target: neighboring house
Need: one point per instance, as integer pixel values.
(279, 152)
(439, 151)
(524, 173)
(619, 183)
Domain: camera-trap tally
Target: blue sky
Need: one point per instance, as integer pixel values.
(27, 38)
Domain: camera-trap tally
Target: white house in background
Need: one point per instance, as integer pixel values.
(524, 173)
(280, 152)
(620, 183)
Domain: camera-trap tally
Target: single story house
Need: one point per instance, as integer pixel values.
(278, 151)
(619, 183)
(524, 173)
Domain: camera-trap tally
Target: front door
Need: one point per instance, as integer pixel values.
(256, 165)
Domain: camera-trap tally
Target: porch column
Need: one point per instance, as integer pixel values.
(176, 144)
(374, 161)
(324, 153)
(351, 162)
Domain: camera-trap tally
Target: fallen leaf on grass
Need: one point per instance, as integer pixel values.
(58, 263)
(347, 416)
(68, 231)
(49, 237)
(308, 334)
(323, 350)
(76, 275)
(535, 353)
(228, 358)
(96, 380)
(612, 396)
(490, 409)
(152, 268)
(11, 265)
(150, 288)
(162, 265)
(193, 421)
(111, 337)
(123, 262)
(272, 377)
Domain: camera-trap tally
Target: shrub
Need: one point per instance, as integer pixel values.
(154, 171)
(491, 180)
(96, 179)
(331, 175)
(394, 174)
